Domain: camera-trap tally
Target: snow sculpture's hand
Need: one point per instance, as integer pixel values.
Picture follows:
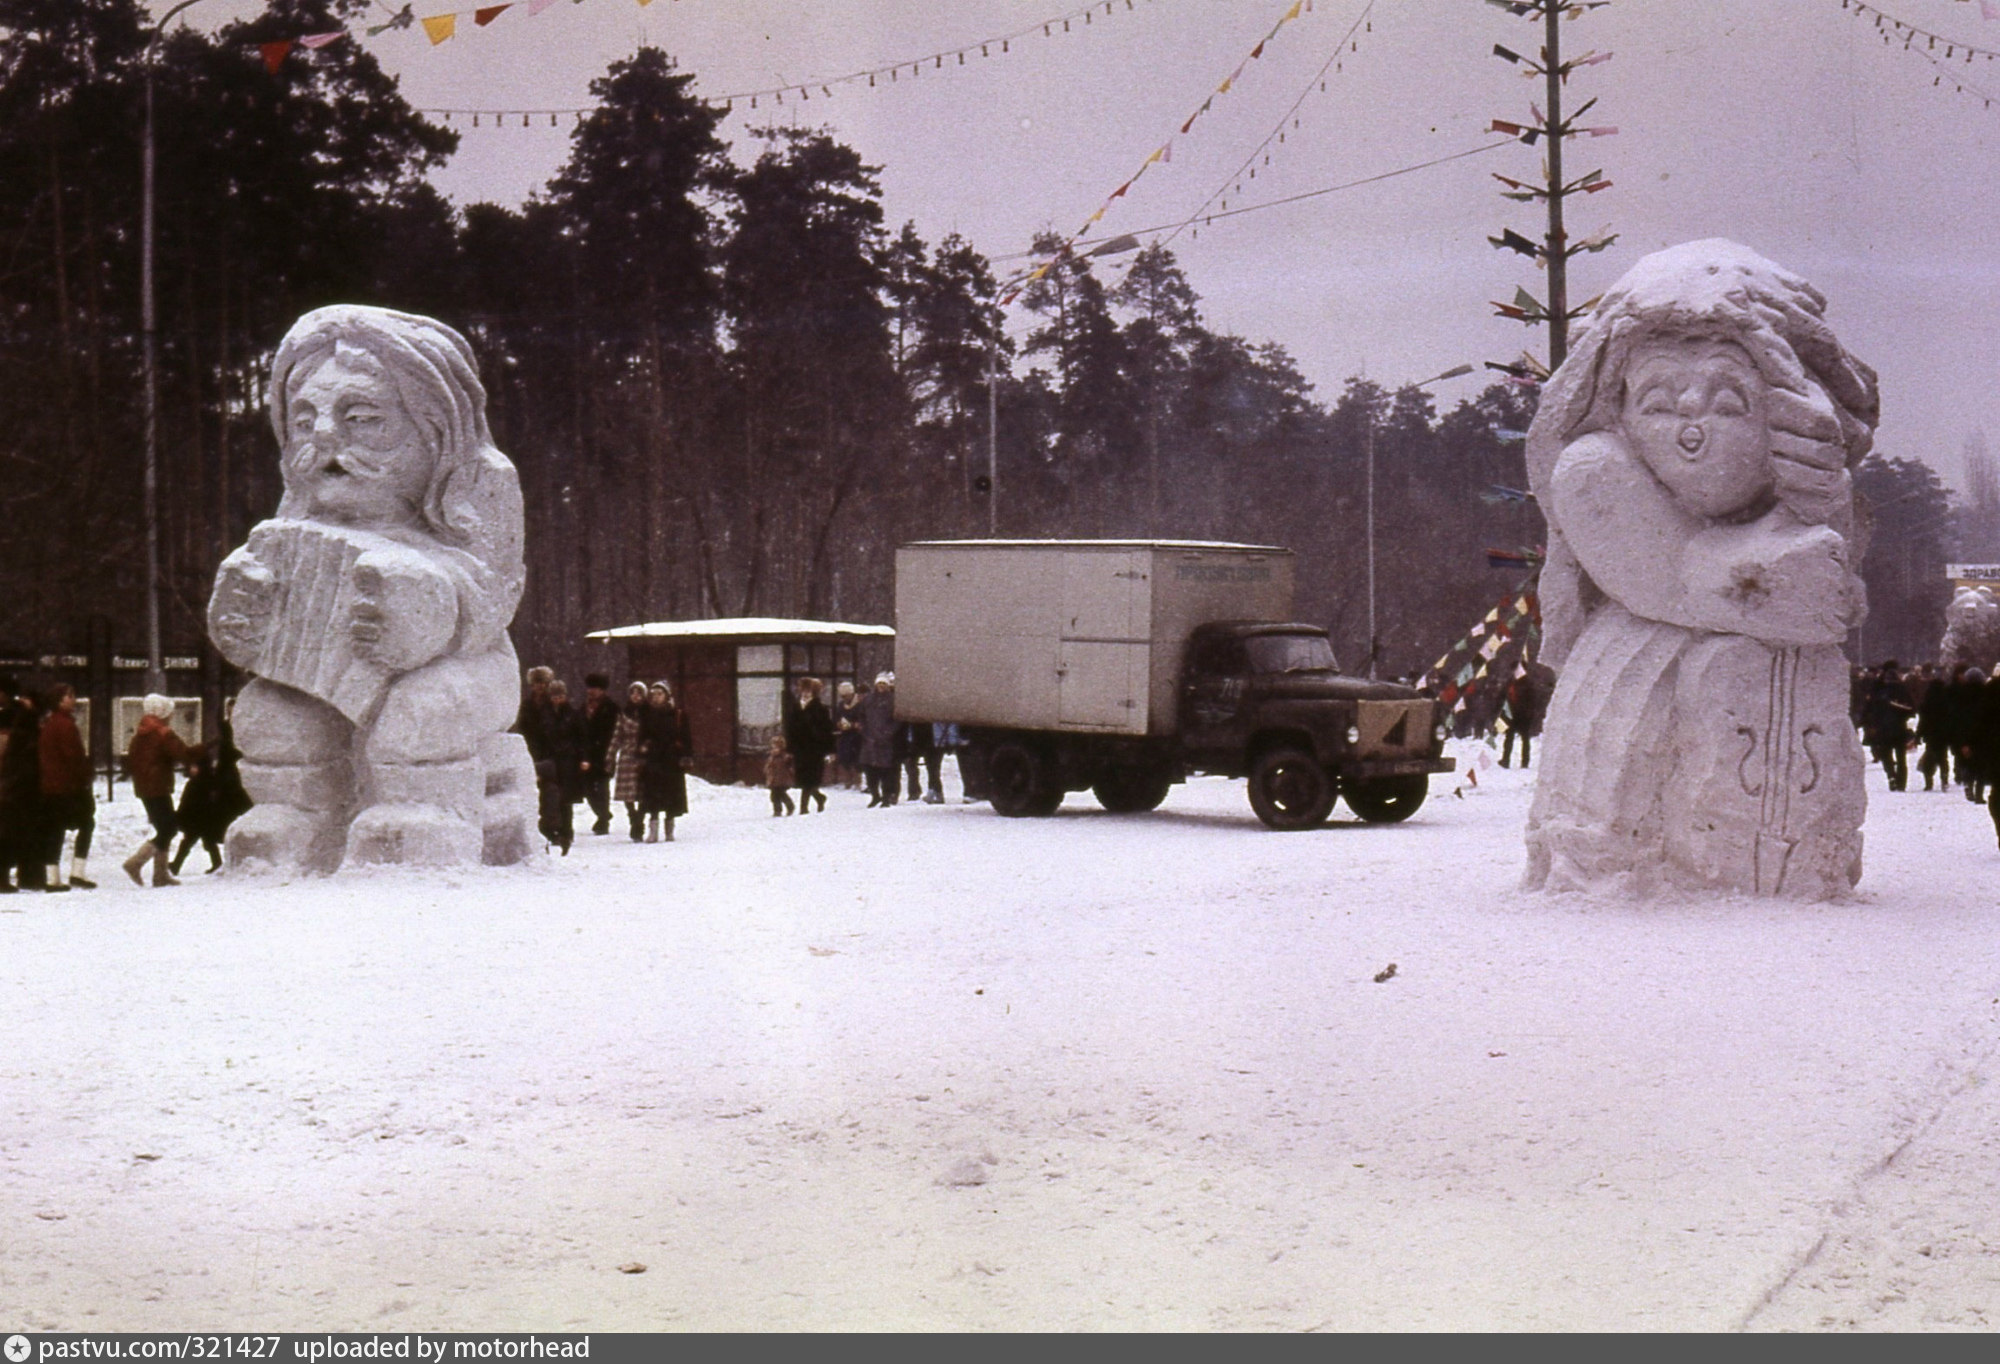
(1809, 459)
(1773, 580)
(405, 611)
(241, 610)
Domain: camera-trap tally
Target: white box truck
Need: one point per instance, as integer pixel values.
(1121, 666)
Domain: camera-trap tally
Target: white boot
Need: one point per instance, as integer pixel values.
(78, 864)
(52, 880)
(652, 828)
(138, 859)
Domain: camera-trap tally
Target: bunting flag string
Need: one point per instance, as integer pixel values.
(1472, 676)
(1092, 246)
(1162, 154)
(1233, 184)
(1942, 52)
(442, 27)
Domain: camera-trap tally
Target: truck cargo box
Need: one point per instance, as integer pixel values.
(1076, 635)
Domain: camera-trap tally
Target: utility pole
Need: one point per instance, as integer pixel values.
(993, 431)
(1554, 251)
(156, 671)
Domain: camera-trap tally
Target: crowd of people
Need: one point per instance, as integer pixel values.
(1952, 719)
(637, 754)
(46, 801)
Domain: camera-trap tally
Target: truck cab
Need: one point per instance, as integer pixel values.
(1266, 700)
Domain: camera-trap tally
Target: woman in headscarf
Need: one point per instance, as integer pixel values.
(626, 762)
(666, 746)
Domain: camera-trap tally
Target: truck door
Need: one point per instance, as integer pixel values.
(1213, 694)
(1101, 668)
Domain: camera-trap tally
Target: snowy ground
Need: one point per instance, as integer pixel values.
(927, 1067)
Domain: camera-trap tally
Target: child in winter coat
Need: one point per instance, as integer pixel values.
(779, 771)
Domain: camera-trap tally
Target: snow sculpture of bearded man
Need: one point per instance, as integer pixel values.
(373, 609)
(1691, 456)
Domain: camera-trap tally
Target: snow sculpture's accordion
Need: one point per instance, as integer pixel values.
(310, 645)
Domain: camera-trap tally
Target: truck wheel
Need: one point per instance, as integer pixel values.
(1387, 800)
(1290, 790)
(1132, 790)
(1018, 780)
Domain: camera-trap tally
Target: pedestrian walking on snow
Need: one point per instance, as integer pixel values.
(778, 776)
(877, 722)
(67, 803)
(152, 759)
(667, 747)
(625, 759)
(809, 735)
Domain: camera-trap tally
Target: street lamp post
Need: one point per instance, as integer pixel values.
(156, 672)
(1374, 640)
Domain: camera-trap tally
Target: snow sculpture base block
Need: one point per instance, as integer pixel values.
(1691, 456)
(373, 610)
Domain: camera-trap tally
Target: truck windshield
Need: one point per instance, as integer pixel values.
(1290, 654)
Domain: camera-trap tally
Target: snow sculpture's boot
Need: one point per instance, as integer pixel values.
(138, 859)
(161, 875)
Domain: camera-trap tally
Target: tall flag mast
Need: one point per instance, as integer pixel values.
(1553, 252)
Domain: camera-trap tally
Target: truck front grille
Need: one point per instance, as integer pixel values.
(1392, 728)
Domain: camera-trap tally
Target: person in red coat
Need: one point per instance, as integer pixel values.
(66, 800)
(156, 751)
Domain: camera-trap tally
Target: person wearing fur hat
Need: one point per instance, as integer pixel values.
(600, 725)
(151, 759)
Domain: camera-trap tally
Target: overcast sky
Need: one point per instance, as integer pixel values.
(1787, 125)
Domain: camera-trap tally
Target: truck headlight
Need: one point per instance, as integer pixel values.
(1441, 733)
(1354, 734)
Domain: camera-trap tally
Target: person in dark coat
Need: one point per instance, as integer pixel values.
(531, 721)
(880, 736)
(916, 747)
(666, 746)
(23, 827)
(212, 800)
(154, 756)
(810, 737)
(1961, 730)
(559, 774)
(1982, 736)
(600, 724)
(1526, 703)
(1885, 723)
(1932, 723)
(67, 803)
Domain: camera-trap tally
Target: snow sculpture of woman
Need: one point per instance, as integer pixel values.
(373, 609)
(1691, 456)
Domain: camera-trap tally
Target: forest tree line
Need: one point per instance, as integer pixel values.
(730, 385)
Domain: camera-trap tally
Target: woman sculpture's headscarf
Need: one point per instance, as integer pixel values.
(1823, 406)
